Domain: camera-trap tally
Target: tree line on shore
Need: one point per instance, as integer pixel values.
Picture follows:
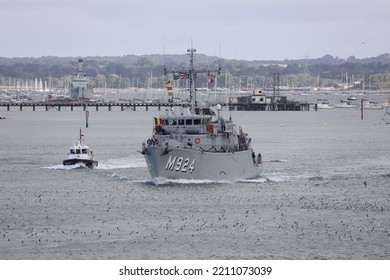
(147, 71)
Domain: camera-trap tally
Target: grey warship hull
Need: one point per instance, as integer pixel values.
(195, 143)
(192, 165)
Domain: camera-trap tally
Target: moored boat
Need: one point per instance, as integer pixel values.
(80, 153)
(197, 143)
(323, 104)
(371, 105)
(345, 104)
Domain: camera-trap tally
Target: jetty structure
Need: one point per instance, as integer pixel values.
(81, 95)
(255, 102)
(259, 101)
(242, 105)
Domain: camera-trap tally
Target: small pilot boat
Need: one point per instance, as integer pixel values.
(80, 154)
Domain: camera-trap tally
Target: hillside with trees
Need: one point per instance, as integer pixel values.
(147, 71)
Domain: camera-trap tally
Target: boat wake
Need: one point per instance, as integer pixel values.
(277, 178)
(278, 160)
(120, 163)
(109, 164)
(65, 167)
(166, 181)
(255, 180)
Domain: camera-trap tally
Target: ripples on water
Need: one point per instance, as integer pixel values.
(324, 192)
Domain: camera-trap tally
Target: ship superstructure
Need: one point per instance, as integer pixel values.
(81, 85)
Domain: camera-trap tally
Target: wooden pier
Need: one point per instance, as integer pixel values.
(290, 106)
(58, 105)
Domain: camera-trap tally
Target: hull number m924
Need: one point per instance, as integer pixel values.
(180, 164)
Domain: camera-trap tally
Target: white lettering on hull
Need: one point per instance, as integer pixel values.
(180, 164)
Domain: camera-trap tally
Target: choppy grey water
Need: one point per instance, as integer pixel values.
(324, 192)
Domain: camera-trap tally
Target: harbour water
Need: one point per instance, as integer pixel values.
(324, 192)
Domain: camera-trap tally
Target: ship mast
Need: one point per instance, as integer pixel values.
(192, 77)
(192, 74)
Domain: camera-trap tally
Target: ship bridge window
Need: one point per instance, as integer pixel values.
(78, 151)
(172, 122)
(180, 122)
(166, 122)
(197, 122)
(84, 151)
(188, 121)
(72, 151)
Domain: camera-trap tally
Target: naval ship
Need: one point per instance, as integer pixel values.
(196, 143)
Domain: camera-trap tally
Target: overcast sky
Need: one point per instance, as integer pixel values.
(234, 29)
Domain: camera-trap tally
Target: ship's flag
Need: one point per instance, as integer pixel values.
(158, 121)
(211, 77)
(181, 75)
(184, 75)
